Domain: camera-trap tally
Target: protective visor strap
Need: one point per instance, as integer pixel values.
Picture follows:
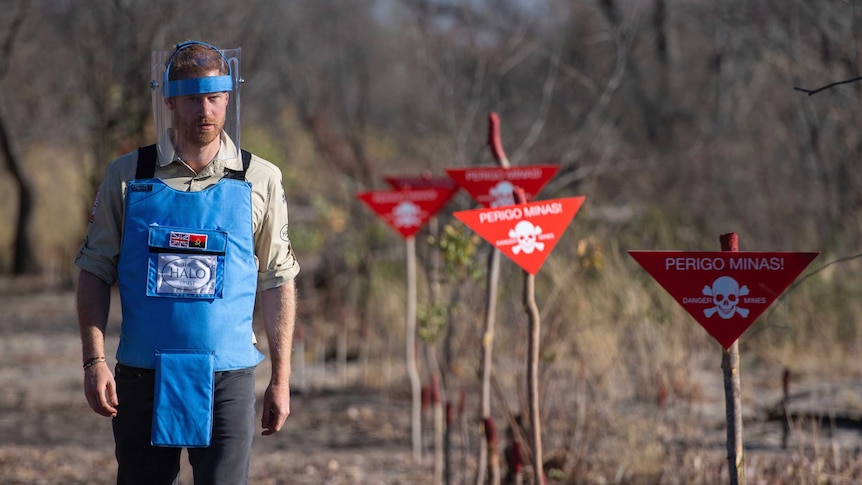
(198, 85)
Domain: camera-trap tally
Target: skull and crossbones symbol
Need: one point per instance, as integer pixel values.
(526, 233)
(725, 293)
(502, 194)
(406, 214)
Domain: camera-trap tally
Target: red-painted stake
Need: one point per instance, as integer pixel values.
(495, 142)
(496, 147)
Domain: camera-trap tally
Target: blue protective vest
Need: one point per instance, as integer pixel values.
(187, 273)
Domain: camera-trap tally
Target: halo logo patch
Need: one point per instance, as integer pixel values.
(187, 274)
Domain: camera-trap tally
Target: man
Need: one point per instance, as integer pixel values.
(193, 230)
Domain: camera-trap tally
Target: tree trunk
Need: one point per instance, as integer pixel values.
(24, 257)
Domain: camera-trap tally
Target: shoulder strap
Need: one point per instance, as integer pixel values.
(239, 174)
(147, 157)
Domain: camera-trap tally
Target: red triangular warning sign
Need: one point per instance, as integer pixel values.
(725, 291)
(407, 211)
(493, 186)
(525, 233)
(420, 182)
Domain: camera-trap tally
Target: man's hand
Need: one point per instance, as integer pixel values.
(94, 302)
(278, 307)
(276, 408)
(101, 390)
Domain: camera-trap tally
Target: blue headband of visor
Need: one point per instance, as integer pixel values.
(198, 85)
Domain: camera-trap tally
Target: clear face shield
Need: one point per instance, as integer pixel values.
(195, 91)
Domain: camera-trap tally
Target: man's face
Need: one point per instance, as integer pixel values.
(199, 118)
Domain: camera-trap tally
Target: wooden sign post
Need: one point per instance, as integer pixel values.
(407, 211)
(423, 181)
(494, 187)
(725, 292)
(526, 233)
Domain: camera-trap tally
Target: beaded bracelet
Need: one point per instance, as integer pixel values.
(93, 361)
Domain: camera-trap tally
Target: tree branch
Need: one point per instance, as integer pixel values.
(823, 88)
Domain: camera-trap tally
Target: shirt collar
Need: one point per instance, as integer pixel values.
(228, 152)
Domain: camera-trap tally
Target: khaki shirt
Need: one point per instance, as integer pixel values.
(274, 254)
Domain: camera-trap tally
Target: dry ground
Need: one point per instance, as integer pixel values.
(48, 435)
(351, 434)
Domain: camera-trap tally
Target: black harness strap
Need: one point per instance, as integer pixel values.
(239, 174)
(147, 157)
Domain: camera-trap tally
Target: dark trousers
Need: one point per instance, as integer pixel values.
(225, 461)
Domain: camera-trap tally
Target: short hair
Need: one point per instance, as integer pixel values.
(192, 60)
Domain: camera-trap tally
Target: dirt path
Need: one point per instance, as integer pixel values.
(48, 435)
(359, 435)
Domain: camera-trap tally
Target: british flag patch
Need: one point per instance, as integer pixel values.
(179, 240)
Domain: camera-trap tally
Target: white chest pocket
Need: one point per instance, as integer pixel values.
(186, 263)
(187, 274)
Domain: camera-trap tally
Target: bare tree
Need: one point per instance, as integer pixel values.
(24, 259)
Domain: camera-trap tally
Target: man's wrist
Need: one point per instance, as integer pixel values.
(280, 378)
(91, 362)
